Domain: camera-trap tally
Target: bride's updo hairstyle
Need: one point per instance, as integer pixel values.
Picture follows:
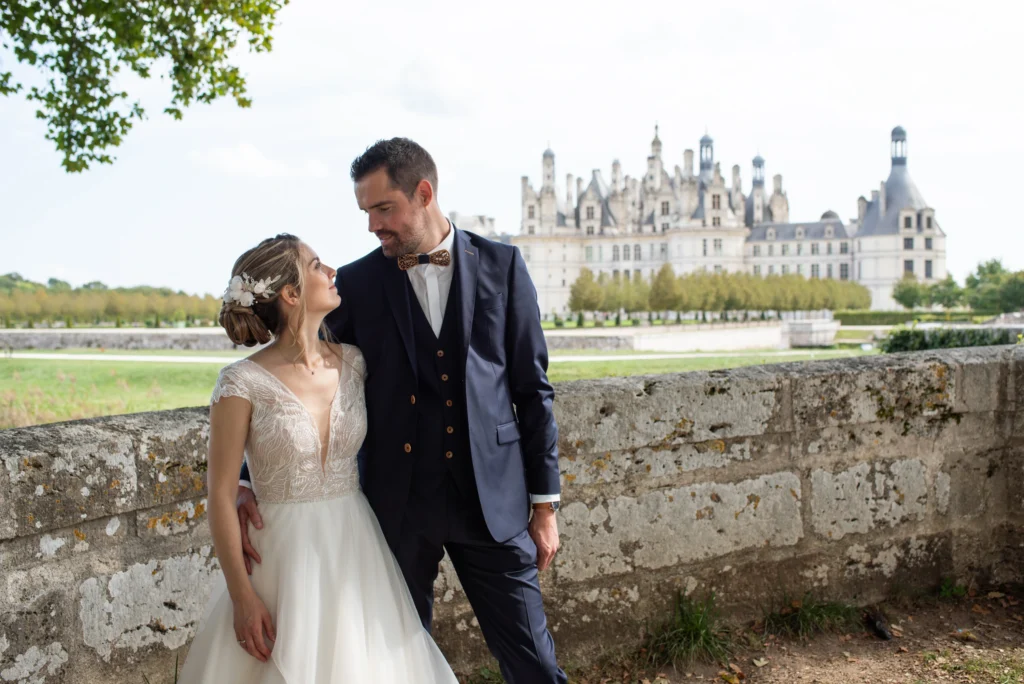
(251, 313)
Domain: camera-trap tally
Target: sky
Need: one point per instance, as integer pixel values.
(814, 87)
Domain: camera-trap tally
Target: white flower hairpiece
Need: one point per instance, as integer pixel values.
(244, 290)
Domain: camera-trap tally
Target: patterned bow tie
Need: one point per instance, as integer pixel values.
(441, 257)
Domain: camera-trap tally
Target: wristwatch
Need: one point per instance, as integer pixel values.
(553, 505)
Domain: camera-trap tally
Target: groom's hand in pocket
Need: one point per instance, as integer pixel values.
(544, 532)
(248, 513)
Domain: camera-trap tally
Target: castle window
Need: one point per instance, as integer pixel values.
(844, 247)
(718, 268)
(716, 221)
(829, 271)
(785, 250)
(615, 254)
(704, 246)
(771, 270)
(530, 211)
(828, 248)
(664, 227)
(799, 250)
(663, 250)
(637, 256)
(800, 269)
(718, 246)
(529, 230)
(625, 252)
(771, 250)
(927, 269)
(815, 249)
(664, 208)
(927, 243)
(757, 270)
(590, 213)
(928, 222)
(716, 201)
(844, 271)
(908, 243)
(815, 271)
(526, 253)
(785, 269)
(590, 253)
(908, 222)
(908, 266)
(757, 250)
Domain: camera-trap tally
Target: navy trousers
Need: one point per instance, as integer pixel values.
(500, 579)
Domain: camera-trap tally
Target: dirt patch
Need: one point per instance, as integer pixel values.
(977, 639)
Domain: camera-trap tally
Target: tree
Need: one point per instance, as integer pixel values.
(585, 293)
(981, 288)
(55, 285)
(946, 293)
(1011, 292)
(908, 292)
(81, 46)
(664, 290)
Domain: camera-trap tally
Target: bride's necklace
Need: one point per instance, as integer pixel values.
(312, 371)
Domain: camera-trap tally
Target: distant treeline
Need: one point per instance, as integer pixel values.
(23, 302)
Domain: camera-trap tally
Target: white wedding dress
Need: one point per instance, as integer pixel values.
(339, 602)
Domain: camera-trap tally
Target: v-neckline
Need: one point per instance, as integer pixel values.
(324, 451)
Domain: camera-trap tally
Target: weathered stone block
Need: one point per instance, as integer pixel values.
(907, 391)
(178, 518)
(69, 542)
(981, 379)
(868, 495)
(62, 474)
(678, 525)
(655, 412)
(172, 457)
(157, 603)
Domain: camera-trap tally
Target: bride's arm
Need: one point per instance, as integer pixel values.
(229, 426)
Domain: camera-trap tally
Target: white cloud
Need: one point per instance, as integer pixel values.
(245, 159)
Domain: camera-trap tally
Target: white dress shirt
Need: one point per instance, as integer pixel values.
(432, 285)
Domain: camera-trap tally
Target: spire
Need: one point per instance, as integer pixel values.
(899, 146)
(656, 143)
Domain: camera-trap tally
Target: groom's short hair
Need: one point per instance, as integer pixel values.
(405, 161)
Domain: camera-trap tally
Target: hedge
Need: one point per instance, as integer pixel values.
(907, 340)
(901, 317)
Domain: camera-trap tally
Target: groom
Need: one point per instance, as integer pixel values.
(461, 450)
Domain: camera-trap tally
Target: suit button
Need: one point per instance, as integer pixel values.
(450, 429)
(444, 377)
(412, 399)
(448, 403)
(408, 448)
(449, 455)
(440, 353)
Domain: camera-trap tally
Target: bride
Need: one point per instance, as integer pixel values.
(328, 604)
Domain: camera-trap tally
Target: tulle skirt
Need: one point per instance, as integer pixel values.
(339, 603)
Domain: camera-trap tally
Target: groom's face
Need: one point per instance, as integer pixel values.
(398, 221)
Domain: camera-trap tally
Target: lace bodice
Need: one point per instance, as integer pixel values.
(283, 448)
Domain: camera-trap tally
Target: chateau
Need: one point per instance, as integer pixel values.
(629, 227)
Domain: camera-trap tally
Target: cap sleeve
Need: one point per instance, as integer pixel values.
(230, 383)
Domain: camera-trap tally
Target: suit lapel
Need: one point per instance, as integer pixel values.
(397, 289)
(467, 261)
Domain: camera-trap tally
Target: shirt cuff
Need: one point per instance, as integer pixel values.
(245, 483)
(543, 498)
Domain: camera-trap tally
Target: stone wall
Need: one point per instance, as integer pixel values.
(848, 478)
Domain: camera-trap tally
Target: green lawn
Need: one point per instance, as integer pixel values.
(228, 354)
(33, 392)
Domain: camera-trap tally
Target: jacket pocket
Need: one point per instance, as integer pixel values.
(508, 433)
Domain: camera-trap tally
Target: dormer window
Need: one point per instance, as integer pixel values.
(928, 222)
(590, 213)
(530, 211)
(800, 233)
(908, 222)
(828, 231)
(770, 235)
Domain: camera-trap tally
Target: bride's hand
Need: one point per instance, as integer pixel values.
(251, 620)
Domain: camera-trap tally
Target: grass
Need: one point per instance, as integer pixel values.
(233, 354)
(807, 616)
(951, 591)
(35, 392)
(1005, 670)
(691, 634)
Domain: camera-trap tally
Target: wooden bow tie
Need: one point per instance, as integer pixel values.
(442, 257)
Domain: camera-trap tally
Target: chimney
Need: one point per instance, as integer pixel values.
(616, 176)
(881, 199)
(579, 189)
(736, 177)
(569, 204)
(777, 183)
(688, 163)
(862, 208)
(526, 184)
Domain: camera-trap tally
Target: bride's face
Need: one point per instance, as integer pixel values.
(319, 291)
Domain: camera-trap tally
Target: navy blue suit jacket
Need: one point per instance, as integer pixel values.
(512, 433)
